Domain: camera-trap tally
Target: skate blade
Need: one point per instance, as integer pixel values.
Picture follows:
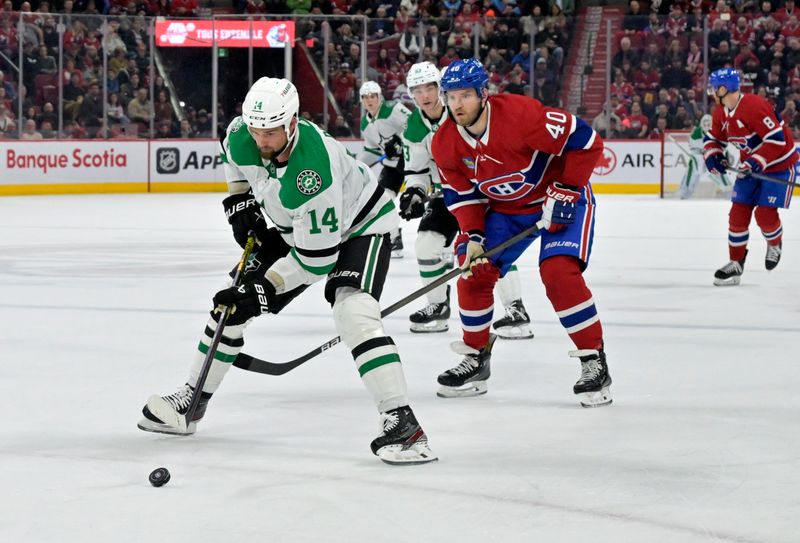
(151, 426)
(598, 398)
(430, 327)
(730, 282)
(397, 253)
(475, 388)
(397, 455)
(514, 332)
(166, 413)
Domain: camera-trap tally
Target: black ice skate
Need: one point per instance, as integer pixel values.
(402, 440)
(470, 376)
(593, 386)
(516, 324)
(432, 317)
(167, 414)
(731, 273)
(397, 244)
(773, 256)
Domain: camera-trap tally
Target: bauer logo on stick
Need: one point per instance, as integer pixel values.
(309, 182)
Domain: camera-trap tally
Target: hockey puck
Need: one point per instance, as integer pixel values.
(159, 477)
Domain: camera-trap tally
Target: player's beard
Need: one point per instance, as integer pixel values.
(466, 122)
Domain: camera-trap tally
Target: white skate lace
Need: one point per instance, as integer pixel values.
(733, 267)
(429, 309)
(390, 421)
(181, 399)
(467, 365)
(513, 314)
(590, 370)
(773, 253)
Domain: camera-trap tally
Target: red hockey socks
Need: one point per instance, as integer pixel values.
(770, 223)
(572, 300)
(475, 307)
(738, 234)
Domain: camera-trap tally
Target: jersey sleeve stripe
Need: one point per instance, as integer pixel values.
(318, 266)
(581, 136)
(373, 200)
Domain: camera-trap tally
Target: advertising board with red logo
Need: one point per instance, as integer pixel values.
(628, 166)
(75, 162)
(226, 33)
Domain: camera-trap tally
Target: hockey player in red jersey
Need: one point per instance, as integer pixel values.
(765, 145)
(505, 163)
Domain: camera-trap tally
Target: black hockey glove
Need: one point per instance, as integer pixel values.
(244, 214)
(412, 203)
(249, 300)
(393, 147)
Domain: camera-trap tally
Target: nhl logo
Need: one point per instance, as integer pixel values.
(309, 182)
(168, 160)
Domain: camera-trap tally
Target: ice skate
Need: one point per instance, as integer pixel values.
(516, 324)
(593, 387)
(731, 273)
(167, 414)
(470, 376)
(397, 244)
(432, 317)
(402, 440)
(773, 256)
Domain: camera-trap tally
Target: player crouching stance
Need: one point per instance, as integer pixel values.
(765, 145)
(507, 162)
(332, 220)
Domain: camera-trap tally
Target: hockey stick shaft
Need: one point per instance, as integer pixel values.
(212, 349)
(761, 176)
(248, 362)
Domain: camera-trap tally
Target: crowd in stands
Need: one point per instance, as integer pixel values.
(659, 71)
(401, 34)
(129, 108)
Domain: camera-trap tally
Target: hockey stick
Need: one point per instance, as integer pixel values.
(761, 176)
(212, 349)
(380, 159)
(250, 363)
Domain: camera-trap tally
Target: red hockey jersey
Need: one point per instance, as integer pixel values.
(525, 148)
(755, 129)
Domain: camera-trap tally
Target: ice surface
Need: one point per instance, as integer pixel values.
(103, 298)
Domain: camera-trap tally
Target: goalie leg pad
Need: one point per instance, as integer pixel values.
(358, 321)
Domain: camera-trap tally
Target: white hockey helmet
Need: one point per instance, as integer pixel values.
(705, 123)
(271, 102)
(421, 73)
(370, 87)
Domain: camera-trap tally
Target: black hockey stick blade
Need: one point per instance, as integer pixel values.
(250, 363)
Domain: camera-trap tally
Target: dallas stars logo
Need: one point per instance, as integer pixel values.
(309, 182)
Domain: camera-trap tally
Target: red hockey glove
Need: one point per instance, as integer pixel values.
(560, 206)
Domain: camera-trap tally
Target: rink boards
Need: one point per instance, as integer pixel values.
(115, 166)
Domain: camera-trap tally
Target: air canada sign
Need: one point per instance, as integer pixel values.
(226, 33)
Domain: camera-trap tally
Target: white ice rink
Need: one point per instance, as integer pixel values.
(103, 300)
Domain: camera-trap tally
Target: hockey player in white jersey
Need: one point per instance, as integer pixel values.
(331, 221)
(696, 166)
(382, 129)
(422, 198)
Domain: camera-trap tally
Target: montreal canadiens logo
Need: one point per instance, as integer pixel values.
(507, 187)
(606, 163)
(309, 182)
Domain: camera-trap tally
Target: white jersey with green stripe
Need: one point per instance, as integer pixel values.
(420, 169)
(321, 197)
(390, 120)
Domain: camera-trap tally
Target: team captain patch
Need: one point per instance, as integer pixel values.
(309, 182)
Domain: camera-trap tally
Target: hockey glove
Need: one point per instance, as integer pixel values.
(468, 248)
(412, 203)
(560, 206)
(717, 164)
(393, 147)
(244, 215)
(248, 300)
(749, 166)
